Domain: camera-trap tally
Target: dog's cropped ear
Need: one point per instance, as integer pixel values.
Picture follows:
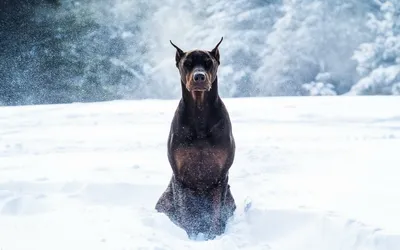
(179, 53)
(215, 51)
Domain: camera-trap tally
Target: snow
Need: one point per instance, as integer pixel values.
(321, 172)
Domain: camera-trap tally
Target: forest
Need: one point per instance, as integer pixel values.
(63, 51)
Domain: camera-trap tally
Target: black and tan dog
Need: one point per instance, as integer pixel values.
(201, 149)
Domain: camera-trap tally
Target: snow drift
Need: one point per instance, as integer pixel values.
(321, 172)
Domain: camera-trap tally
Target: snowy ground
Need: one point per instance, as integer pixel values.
(322, 172)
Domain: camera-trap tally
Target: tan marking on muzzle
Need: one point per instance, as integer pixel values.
(189, 82)
(209, 79)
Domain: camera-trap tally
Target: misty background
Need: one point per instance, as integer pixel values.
(62, 51)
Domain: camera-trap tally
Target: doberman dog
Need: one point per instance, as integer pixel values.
(201, 150)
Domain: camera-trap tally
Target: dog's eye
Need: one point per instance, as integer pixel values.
(207, 63)
(188, 64)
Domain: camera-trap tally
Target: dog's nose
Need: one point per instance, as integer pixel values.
(199, 77)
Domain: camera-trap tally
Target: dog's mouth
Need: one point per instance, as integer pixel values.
(200, 88)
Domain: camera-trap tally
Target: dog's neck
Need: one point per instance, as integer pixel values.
(199, 105)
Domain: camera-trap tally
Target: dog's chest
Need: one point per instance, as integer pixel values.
(198, 166)
(196, 156)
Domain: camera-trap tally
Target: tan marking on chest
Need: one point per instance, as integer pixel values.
(207, 157)
(198, 97)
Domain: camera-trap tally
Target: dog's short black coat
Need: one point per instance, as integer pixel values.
(201, 149)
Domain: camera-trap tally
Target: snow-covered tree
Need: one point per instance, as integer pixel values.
(379, 60)
(321, 86)
(312, 37)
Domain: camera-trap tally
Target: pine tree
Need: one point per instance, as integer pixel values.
(379, 60)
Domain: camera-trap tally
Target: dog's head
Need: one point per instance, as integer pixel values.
(198, 68)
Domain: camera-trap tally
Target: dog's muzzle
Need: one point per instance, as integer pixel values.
(200, 81)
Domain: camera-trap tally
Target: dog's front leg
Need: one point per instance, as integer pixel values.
(217, 227)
